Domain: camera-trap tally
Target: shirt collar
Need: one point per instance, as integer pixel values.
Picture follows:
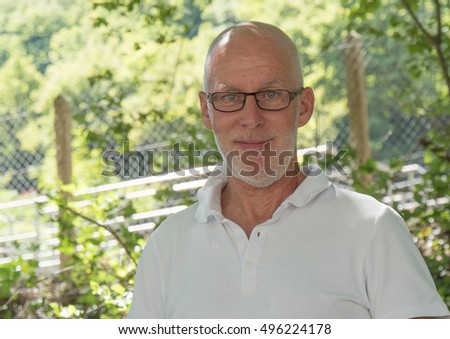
(209, 196)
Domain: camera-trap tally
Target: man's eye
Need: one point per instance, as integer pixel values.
(228, 97)
(272, 94)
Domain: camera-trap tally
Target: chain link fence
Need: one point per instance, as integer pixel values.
(15, 163)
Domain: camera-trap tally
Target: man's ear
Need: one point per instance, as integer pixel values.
(204, 110)
(306, 106)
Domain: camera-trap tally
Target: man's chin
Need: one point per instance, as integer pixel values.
(260, 180)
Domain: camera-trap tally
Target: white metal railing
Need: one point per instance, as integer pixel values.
(136, 221)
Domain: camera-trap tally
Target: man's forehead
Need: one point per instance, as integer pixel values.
(251, 43)
(271, 83)
(250, 40)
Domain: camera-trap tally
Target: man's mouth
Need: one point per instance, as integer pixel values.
(252, 145)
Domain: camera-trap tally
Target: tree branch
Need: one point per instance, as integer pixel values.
(435, 40)
(439, 21)
(444, 66)
(440, 53)
(109, 229)
(430, 37)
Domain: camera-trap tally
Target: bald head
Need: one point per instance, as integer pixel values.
(247, 38)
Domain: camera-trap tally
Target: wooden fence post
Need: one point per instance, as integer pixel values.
(63, 126)
(356, 96)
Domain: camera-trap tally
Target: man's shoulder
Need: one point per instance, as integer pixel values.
(355, 205)
(352, 197)
(345, 210)
(187, 212)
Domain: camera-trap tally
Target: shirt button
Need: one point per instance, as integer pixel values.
(248, 264)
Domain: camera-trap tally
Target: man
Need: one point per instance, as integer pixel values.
(265, 239)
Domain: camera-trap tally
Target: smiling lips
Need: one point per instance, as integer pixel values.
(252, 145)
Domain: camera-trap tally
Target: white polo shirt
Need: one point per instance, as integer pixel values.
(326, 253)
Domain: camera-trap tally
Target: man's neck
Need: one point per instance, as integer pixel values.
(249, 206)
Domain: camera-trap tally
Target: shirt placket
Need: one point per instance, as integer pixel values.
(249, 250)
(250, 261)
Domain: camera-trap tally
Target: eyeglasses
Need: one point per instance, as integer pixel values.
(270, 100)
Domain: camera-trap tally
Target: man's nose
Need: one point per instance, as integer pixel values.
(251, 115)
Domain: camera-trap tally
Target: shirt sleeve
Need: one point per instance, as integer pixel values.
(147, 300)
(399, 284)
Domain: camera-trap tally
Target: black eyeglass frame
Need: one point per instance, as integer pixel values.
(292, 95)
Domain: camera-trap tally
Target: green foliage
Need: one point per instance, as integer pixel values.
(99, 279)
(97, 272)
(418, 25)
(430, 220)
(169, 20)
(18, 288)
(34, 23)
